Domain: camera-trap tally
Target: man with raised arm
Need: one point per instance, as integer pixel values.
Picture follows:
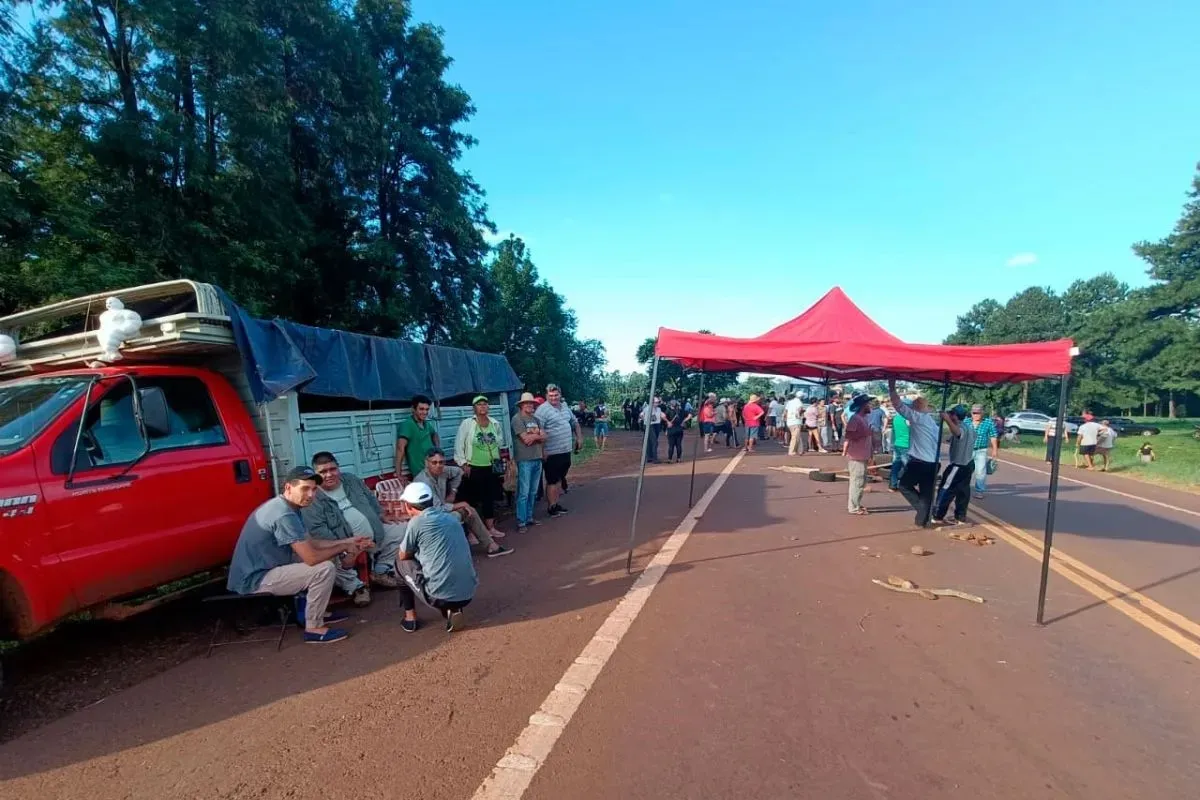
(917, 482)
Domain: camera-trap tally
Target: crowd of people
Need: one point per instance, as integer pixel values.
(862, 428)
(911, 431)
(326, 529)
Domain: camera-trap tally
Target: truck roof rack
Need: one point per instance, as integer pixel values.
(178, 317)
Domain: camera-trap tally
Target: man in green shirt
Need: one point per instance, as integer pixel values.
(900, 441)
(415, 437)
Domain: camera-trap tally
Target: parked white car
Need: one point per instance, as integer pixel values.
(1032, 422)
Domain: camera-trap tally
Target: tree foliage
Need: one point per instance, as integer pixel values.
(522, 317)
(302, 154)
(1135, 345)
(675, 381)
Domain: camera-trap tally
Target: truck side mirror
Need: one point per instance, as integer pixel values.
(156, 417)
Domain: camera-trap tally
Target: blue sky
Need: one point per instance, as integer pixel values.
(698, 165)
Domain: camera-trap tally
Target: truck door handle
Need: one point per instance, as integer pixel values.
(241, 471)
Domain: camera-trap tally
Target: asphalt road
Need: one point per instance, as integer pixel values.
(1140, 541)
(764, 663)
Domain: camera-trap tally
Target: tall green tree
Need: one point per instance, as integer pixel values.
(1173, 264)
(522, 317)
(301, 153)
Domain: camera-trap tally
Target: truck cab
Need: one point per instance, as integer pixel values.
(113, 480)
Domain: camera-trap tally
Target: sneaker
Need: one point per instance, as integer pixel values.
(385, 579)
(455, 621)
(500, 550)
(408, 625)
(979, 495)
(361, 597)
(522, 529)
(328, 637)
(533, 523)
(558, 511)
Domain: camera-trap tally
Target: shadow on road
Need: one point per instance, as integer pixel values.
(1099, 603)
(559, 568)
(1098, 519)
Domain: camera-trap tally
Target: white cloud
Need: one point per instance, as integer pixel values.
(500, 236)
(1022, 260)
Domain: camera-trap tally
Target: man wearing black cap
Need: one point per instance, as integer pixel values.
(274, 555)
(956, 478)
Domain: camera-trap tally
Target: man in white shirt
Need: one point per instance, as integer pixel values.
(1088, 436)
(794, 416)
(917, 481)
(774, 412)
(652, 415)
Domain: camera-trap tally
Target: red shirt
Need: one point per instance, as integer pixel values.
(707, 414)
(752, 413)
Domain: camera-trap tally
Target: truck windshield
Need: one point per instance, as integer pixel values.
(27, 406)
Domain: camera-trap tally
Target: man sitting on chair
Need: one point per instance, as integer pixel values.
(434, 561)
(275, 556)
(344, 508)
(443, 480)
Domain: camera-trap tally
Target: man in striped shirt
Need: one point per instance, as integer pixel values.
(562, 436)
(987, 444)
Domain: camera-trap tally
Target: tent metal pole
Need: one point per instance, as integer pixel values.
(1052, 497)
(637, 498)
(699, 436)
(937, 454)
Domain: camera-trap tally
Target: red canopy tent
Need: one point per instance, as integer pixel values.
(835, 341)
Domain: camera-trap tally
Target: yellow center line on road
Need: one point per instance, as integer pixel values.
(1062, 477)
(1141, 609)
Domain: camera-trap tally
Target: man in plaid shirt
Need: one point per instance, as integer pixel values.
(987, 442)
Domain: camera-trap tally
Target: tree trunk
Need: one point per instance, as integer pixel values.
(1025, 395)
(1145, 403)
(117, 48)
(187, 102)
(1171, 403)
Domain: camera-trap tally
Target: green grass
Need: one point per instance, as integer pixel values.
(1177, 454)
(589, 450)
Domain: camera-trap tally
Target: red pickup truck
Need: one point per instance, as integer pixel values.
(119, 475)
(150, 484)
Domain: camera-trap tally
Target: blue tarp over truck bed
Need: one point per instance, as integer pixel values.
(281, 356)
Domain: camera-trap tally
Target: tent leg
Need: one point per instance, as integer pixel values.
(699, 436)
(937, 454)
(637, 498)
(1052, 497)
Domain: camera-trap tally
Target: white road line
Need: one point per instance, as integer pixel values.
(514, 772)
(1062, 477)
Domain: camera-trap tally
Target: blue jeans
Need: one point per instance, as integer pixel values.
(652, 443)
(529, 478)
(899, 460)
(981, 459)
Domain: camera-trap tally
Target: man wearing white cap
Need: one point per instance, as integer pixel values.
(434, 560)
